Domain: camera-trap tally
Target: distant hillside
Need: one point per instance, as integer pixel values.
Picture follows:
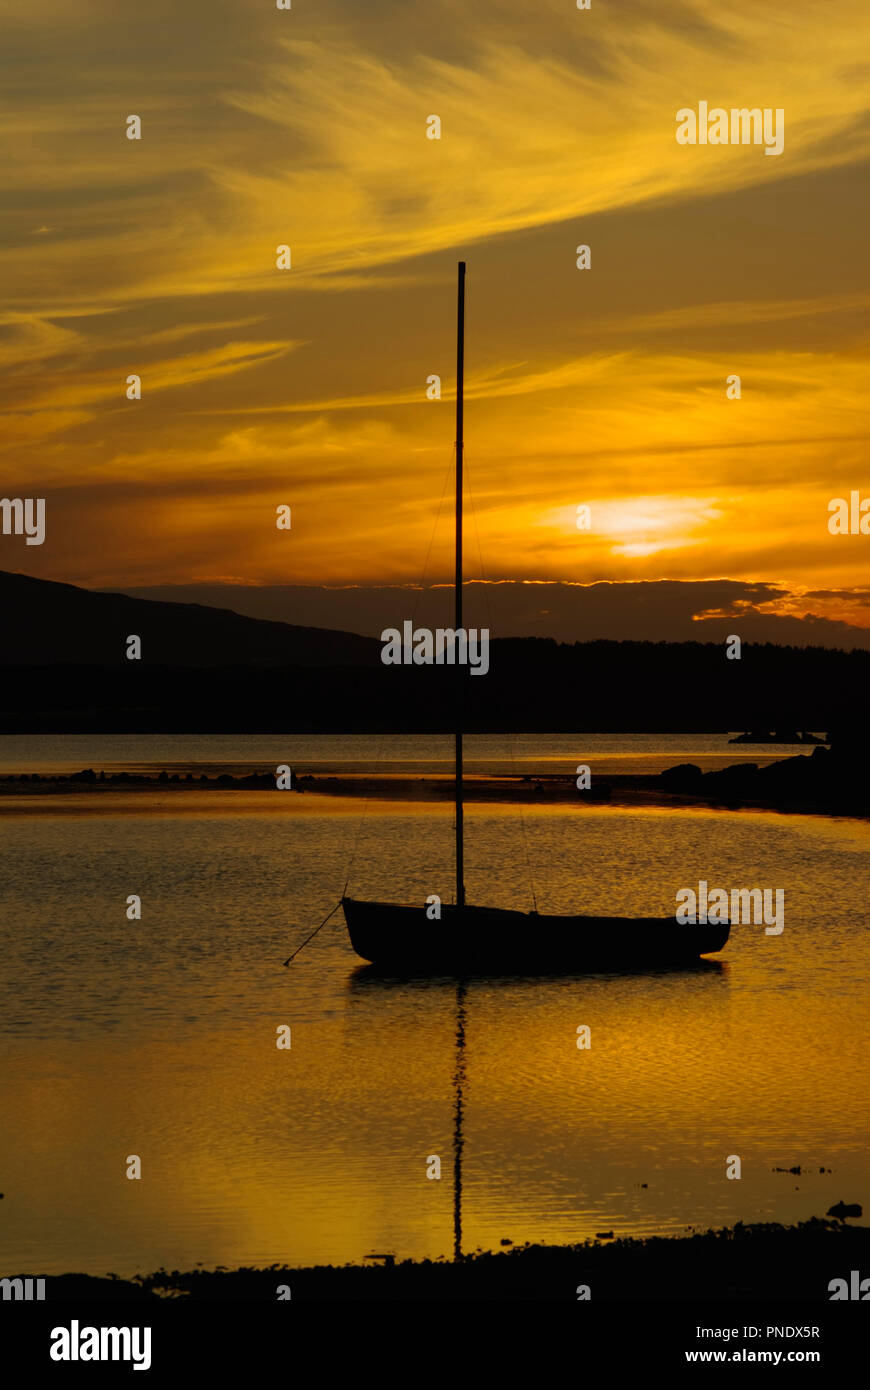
(46, 624)
(209, 670)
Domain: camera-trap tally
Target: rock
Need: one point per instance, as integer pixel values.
(682, 777)
(843, 1209)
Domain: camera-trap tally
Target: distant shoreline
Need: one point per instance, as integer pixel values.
(764, 1261)
(742, 786)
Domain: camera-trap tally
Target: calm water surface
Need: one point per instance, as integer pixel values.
(158, 1037)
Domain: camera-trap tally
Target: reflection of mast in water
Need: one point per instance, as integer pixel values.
(460, 854)
(458, 1080)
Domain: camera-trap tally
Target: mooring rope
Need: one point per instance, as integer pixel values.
(317, 929)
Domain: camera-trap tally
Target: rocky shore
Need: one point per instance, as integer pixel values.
(745, 1262)
(829, 781)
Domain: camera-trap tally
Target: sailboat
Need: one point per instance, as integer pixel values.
(468, 939)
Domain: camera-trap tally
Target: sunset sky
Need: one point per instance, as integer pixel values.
(308, 386)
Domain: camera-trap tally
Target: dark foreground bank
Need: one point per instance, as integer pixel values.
(752, 1263)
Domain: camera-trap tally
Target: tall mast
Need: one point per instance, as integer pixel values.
(457, 608)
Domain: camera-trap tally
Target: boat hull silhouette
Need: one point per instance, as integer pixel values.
(491, 940)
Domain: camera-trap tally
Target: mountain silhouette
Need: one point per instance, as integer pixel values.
(205, 670)
(46, 624)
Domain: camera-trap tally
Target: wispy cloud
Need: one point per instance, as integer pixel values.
(322, 143)
(260, 386)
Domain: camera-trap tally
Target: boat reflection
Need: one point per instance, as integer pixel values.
(369, 981)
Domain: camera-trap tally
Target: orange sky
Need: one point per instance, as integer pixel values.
(308, 386)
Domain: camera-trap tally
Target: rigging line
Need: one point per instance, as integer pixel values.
(524, 832)
(380, 739)
(380, 742)
(474, 519)
(314, 933)
(448, 474)
(356, 838)
(525, 837)
(434, 531)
